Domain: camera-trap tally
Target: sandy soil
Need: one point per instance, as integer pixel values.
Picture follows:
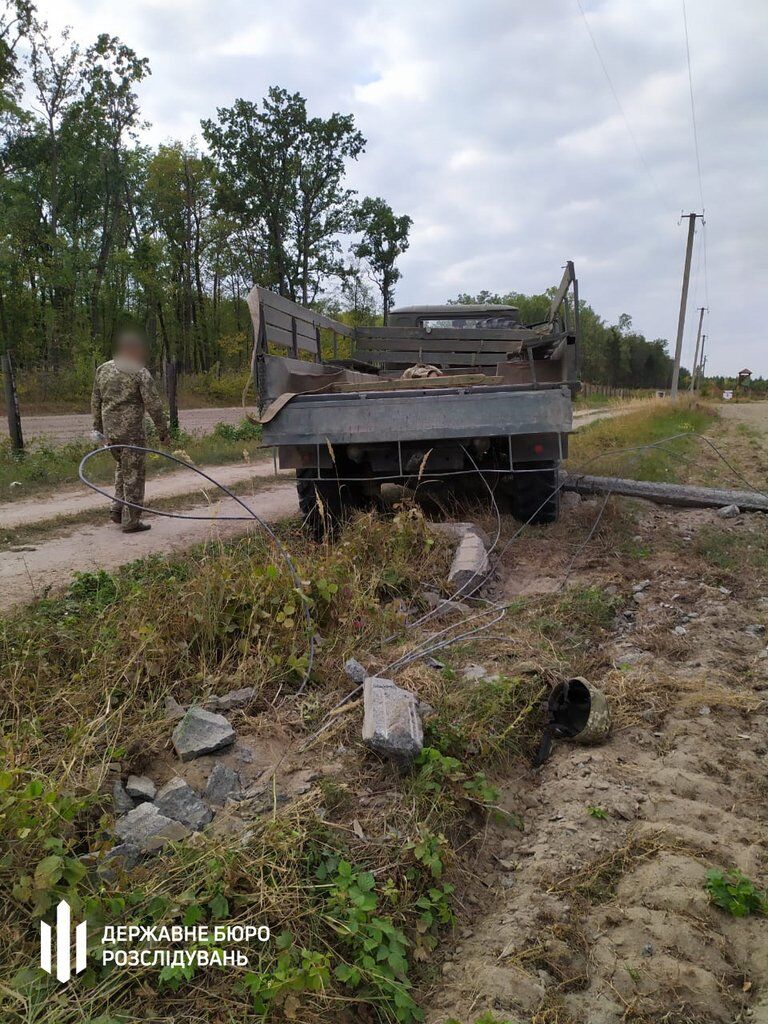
(606, 920)
(74, 426)
(77, 499)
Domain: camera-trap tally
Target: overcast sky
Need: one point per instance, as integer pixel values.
(492, 124)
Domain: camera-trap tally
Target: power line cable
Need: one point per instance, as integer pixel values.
(697, 151)
(611, 86)
(693, 106)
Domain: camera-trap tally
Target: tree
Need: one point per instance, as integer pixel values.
(280, 173)
(384, 238)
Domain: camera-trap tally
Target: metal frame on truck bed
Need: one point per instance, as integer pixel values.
(443, 394)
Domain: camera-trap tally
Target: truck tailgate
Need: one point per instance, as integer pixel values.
(376, 416)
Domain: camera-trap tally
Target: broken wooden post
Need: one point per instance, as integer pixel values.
(12, 404)
(681, 495)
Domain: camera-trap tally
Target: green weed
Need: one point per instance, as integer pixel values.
(733, 892)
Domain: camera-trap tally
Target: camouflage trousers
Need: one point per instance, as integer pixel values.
(130, 473)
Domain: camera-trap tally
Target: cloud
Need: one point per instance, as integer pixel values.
(493, 126)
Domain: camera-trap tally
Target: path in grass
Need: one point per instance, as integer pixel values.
(76, 499)
(28, 573)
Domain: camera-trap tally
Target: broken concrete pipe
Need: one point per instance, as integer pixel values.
(578, 711)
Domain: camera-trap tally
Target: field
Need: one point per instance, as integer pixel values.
(471, 887)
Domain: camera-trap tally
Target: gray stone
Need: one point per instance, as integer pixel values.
(201, 732)
(729, 511)
(234, 699)
(179, 801)
(223, 782)
(141, 787)
(470, 561)
(146, 828)
(391, 722)
(173, 710)
(354, 670)
(121, 802)
(123, 857)
(756, 629)
(474, 672)
(442, 607)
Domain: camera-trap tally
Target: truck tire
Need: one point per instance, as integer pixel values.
(324, 503)
(535, 497)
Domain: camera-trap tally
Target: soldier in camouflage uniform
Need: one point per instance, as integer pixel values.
(123, 391)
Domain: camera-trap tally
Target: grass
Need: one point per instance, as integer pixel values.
(333, 874)
(596, 447)
(86, 676)
(46, 466)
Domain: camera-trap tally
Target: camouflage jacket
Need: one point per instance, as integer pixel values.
(122, 393)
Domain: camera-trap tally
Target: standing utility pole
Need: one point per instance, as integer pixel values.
(683, 301)
(702, 359)
(696, 356)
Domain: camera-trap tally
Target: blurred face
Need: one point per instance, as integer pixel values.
(131, 346)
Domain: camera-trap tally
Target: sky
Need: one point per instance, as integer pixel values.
(492, 124)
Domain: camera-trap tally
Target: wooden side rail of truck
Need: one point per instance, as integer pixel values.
(483, 395)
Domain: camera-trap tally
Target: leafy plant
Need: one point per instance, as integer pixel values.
(597, 812)
(34, 816)
(735, 893)
(377, 965)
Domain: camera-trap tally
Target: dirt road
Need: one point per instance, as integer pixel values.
(77, 499)
(74, 426)
(598, 910)
(33, 569)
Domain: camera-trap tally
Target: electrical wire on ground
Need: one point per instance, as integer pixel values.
(180, 515)
(442, 638)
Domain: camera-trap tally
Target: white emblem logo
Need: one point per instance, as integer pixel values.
(63, 944)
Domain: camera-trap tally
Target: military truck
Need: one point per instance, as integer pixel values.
(443, 398)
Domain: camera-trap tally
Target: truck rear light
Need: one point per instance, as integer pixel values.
(538, 449)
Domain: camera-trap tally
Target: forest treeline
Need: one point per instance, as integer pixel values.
(99, 230)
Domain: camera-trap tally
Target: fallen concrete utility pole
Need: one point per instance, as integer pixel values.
(682, 495)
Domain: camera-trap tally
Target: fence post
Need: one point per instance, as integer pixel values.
(170, 389)
(12, 404)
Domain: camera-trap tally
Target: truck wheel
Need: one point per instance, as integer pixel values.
(535, 497)
(325, 502)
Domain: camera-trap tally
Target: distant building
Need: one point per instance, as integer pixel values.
(744, 376)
